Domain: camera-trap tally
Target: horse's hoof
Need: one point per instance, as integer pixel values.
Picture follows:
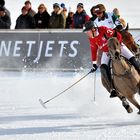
(127, 106)
(138, 112)
(129, 110)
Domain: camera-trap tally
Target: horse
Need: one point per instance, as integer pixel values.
(125, 78)
(128, 40)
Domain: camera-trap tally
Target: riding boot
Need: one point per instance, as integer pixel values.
(106, 74)
(136, 63)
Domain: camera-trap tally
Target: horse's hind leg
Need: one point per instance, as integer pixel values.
(132, 99)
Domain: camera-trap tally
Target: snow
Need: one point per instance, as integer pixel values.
(84, 112)
(77, 114)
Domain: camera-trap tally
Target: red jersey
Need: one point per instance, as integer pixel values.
(100, 41)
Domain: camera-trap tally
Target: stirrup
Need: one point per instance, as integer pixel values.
(113, 93)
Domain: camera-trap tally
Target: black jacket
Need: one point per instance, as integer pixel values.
(42, 20)
(25, 22)
(5, 22)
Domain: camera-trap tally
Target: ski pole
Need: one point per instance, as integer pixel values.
(43, 103)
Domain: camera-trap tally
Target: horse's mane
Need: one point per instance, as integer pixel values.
(112, 40)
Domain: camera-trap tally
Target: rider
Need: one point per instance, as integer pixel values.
(98, 37)
(108, 19)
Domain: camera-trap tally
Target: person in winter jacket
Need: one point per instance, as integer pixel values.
(25, 21)
(69, 20)
(57, 18)
(80, 17)
(42, 17)
(28, 6)
(5, 20)
(2, 4)
(64, 12)
(98, 37)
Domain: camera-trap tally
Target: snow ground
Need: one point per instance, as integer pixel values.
(77, 114)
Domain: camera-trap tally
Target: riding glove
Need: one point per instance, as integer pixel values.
(94, 68)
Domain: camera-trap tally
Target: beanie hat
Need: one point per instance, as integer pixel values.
(80, 5)
(56, 5)
(62, 5)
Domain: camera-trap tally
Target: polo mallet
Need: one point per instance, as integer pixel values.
(43, 103)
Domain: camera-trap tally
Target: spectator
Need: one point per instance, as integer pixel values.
(117, 14)
(2, 4)
(80, 17)
(25, 20)
(5, 21)
(29, 8)
(69, 19)
(57, 18)
(64, 12)
(92, 11)
(42, 17)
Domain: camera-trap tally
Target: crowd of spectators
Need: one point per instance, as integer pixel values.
(60, 17)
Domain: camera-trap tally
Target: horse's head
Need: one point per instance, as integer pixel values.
(114, 47)
(128, 39)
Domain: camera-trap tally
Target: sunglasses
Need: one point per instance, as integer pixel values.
(54, 7)
(41, 7)
(99, 13)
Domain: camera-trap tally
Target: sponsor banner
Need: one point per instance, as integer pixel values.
(51, 50)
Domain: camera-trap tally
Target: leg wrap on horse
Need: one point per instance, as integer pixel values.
(106, 80)
(135, 63)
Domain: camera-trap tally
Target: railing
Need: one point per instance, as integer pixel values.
(44, 49)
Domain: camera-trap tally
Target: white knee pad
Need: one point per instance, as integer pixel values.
(126, 52)
(105, 58)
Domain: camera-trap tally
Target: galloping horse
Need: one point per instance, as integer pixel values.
(124, 76)
(128, 40)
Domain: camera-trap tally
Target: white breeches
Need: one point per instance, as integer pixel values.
(124, 52)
